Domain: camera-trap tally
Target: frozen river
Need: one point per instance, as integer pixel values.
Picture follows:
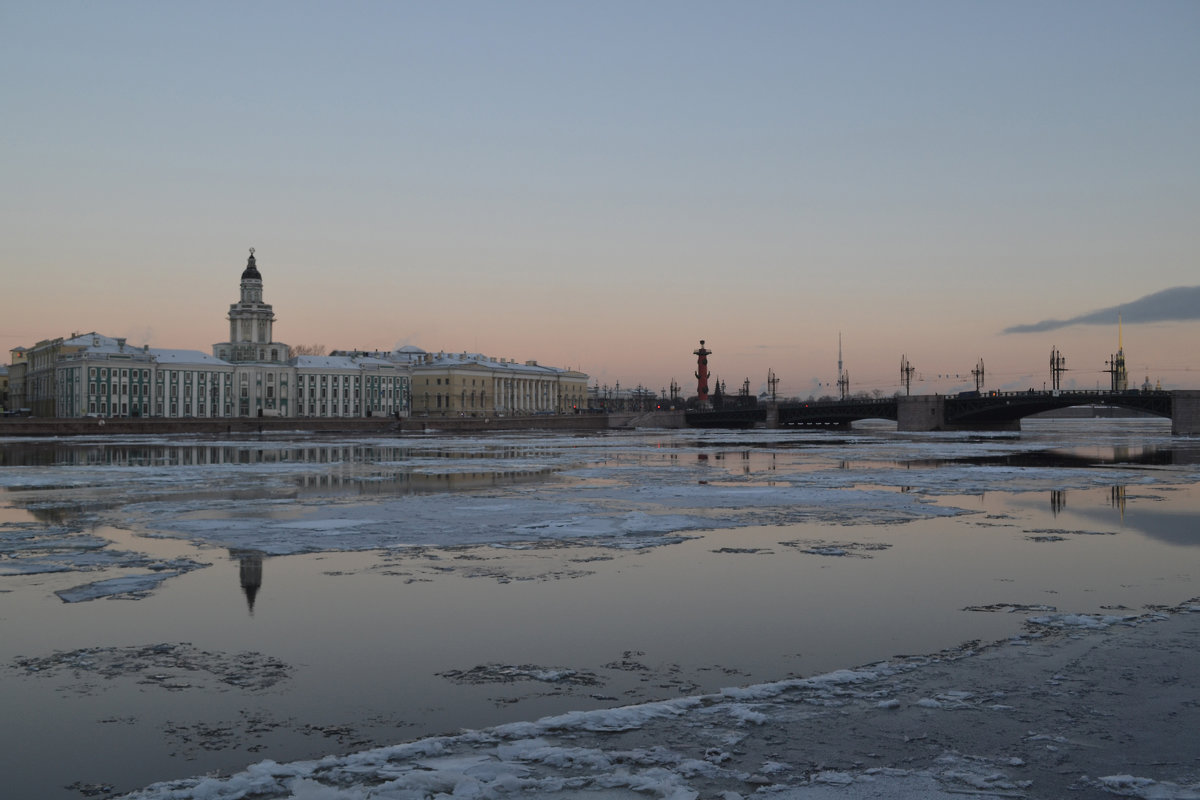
(180, 606)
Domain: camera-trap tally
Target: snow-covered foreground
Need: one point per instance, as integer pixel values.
(1047, 714)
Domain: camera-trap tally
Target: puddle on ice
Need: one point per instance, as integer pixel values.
(402, 589)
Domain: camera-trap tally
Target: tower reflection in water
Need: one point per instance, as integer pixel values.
(250, 570)
(1058, 501)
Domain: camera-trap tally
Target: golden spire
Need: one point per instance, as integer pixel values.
(1120, 346)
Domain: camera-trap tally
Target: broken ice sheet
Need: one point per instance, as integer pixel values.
(819, 547)
(509, 673)
(128, 585)
(173, 666)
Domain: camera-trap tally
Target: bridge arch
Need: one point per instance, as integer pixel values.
(999, 408)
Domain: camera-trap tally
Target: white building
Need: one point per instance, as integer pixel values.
(251, 375)
(248, 376)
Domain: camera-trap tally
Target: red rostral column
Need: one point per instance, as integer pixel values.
(702, 372)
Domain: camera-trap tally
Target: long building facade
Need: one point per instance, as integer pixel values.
(474, 385)
(253, 375)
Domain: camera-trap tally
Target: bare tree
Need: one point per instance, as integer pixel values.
(306, 350)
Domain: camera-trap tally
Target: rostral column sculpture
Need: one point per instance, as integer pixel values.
(702, 373)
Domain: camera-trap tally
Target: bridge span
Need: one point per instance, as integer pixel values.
(971, 411)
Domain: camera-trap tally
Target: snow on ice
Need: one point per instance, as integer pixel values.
(893, 730)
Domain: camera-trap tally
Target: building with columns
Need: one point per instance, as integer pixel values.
(474, 385)
(252, 375)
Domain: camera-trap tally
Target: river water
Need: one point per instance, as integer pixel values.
(179, 606)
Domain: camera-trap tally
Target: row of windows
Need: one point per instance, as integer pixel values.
(105, 372)
(125, 391)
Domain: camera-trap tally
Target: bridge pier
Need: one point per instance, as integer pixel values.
(928, 413)
(924, 412)
(1185, 413)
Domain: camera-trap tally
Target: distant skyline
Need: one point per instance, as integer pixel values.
(600, 186)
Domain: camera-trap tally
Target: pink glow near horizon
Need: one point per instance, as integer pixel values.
(498, 182)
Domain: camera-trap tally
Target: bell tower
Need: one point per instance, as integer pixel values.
(251, 324)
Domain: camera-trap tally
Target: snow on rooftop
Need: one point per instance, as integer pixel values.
(339, 362)
(165, 356)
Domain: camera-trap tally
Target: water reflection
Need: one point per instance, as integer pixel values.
(175, 454)
(1118, 500)
(250, 574)
(379, 482)
(1058, 501)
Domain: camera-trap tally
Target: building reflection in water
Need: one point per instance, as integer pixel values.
(1118, 500)
(250, 570)
(1058, 501)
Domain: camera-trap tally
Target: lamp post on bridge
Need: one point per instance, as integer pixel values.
(1058, 365)
(906, 373)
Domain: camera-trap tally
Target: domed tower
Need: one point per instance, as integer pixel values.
(251, 322)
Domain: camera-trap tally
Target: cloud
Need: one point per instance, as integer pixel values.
(1180, 303)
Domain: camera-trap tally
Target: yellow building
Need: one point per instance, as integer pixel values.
(475, 385)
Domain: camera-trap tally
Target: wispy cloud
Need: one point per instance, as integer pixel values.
(1180, 303)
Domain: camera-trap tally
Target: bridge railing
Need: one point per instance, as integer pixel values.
(1067, 393)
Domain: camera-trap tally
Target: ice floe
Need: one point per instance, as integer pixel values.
(173, 666)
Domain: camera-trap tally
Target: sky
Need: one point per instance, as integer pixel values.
(602, 185)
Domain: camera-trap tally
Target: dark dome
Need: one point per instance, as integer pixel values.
(251, 272)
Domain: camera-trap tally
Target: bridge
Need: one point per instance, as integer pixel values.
(970, 411)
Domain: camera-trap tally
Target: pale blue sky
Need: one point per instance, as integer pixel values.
(602, 185)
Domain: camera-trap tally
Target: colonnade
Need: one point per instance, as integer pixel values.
(525, 395)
